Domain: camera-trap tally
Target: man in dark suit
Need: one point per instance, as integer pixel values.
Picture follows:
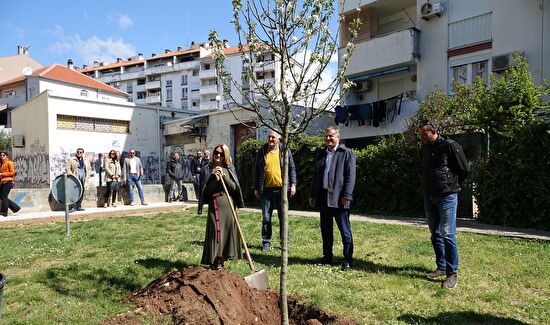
(332, 192)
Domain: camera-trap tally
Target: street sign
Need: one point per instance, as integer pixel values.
(74, 189)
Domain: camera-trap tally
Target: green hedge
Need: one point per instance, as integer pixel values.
(388, 175)
(513, 187)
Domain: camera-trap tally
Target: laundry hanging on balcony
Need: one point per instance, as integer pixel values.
(369, 114)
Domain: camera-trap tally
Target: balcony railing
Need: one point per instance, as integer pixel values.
(207, 74)
(209, 90)
(209, 106)
(152, 84)
(386, 51)
(187, 65)
(152, 99)
(139, 88)
(140, 101)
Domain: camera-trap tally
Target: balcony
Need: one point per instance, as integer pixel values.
(190, 65)
(386, 51)
(265, 66)
(208, 74)
(209, 106)
(352, 5)
(152, 99)
(139, 88)
(132, 75)
(209, 90)
(159, 70)
(152, 85)
(140, 101)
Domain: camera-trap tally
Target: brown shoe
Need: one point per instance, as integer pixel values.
(451, 282)
(143, 203)
(105, 205)
(435, 274)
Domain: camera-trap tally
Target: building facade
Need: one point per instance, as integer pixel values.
(408, 48)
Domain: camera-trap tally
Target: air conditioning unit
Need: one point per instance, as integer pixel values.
(362, 86)
(431, 9)
(502, 62)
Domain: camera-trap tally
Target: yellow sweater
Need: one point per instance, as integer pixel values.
(273, 169)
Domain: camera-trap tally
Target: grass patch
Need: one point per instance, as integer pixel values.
(54, 279)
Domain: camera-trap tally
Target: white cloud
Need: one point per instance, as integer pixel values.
(93, 49)
(124, 21)
(57, 31)
(19, 32)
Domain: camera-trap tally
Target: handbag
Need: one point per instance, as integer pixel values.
(115, 186)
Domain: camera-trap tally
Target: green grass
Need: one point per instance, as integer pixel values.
(82, 279)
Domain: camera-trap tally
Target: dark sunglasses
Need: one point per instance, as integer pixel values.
(217, 153)
(111, 153)
(80, 151)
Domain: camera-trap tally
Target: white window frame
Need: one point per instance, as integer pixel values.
(468, 60)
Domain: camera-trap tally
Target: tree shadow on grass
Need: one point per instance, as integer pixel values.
(82, 281)
(165, 265)
(409, 271)
(462, 317)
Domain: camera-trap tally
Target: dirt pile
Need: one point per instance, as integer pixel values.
(199, 296)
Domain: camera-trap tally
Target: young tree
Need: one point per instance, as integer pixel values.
(297, 35)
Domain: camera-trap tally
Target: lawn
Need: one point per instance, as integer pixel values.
(82, 279)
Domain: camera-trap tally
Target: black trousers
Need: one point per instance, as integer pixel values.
(5, 189)
(108, 193)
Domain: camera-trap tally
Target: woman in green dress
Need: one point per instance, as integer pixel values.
(221, 241)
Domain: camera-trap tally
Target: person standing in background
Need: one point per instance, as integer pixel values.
(81, 168)
(7, 179)
(132, 171)
(112, 176)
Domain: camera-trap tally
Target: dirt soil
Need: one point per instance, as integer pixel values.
(195, 295)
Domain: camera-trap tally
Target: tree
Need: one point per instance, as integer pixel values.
(298, 35)
(5, 141)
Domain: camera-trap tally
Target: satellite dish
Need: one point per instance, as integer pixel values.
(169, 64)
(27, 71)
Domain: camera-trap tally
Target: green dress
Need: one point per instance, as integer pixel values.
(222, 237)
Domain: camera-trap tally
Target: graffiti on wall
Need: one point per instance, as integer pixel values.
(32, 167)
(150, 163)
(58, 162)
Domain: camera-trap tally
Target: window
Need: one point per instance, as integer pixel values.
(141, 95)
(141, 81)
(92, 124)
(9, 93)
(32, 92)
(168, 83)
(184, 79)
(196, 102)
(169, 94)
(184, 104)
(184, 93)
(84, 93)
(195, 73)
(206, 66)
(467, 73)
(195, 86)
(129, 88)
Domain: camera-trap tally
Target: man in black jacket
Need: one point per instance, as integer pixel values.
(332, 191)
(174, 169)
(444, 168)
(268, 182)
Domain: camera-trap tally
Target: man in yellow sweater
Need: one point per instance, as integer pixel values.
(268, 182)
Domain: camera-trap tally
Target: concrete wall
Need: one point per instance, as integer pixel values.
(60, 88)
(34, 200)
(33, 160)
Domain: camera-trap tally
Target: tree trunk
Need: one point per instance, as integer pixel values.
(284, 231)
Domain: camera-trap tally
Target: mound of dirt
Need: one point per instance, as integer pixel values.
(195, 295)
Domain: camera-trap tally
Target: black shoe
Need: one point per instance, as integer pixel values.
(324, 262)
(3, 214)
(169, 200)
(345, 267)
(79, 209)
(72, 210)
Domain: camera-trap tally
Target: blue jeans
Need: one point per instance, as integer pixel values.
(134, 179)
(441, 214)
(271, 198)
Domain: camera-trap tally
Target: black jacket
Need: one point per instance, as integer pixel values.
(196, 163)
(237, 196)
(341, 177)
(259, 170)
(174, 169)
(444, 166)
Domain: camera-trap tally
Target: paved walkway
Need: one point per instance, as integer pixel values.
(462, 225)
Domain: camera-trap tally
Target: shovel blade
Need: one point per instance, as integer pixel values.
(257, 280)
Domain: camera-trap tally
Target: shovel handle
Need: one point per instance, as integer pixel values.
(238, 226)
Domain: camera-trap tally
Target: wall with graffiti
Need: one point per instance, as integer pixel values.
(33, 167)
(187, 153)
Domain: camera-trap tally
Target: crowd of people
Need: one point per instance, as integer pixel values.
(444, 168)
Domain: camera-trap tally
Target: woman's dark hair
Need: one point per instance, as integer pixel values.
(5, 153)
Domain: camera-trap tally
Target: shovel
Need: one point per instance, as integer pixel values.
(257, 279)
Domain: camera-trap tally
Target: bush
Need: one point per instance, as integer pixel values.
(388, 174)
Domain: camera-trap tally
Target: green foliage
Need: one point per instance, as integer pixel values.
(388, 178)
(5, 141)
(512, 182)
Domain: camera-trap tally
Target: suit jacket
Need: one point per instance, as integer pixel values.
(126, 168)
(341, 178)
(71, 167)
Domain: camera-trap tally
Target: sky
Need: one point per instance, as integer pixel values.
(84, 31)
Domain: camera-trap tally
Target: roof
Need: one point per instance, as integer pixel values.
(62, 73)
(232, 50)
(127, 63)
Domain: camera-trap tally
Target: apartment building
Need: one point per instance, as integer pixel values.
(408, 48)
